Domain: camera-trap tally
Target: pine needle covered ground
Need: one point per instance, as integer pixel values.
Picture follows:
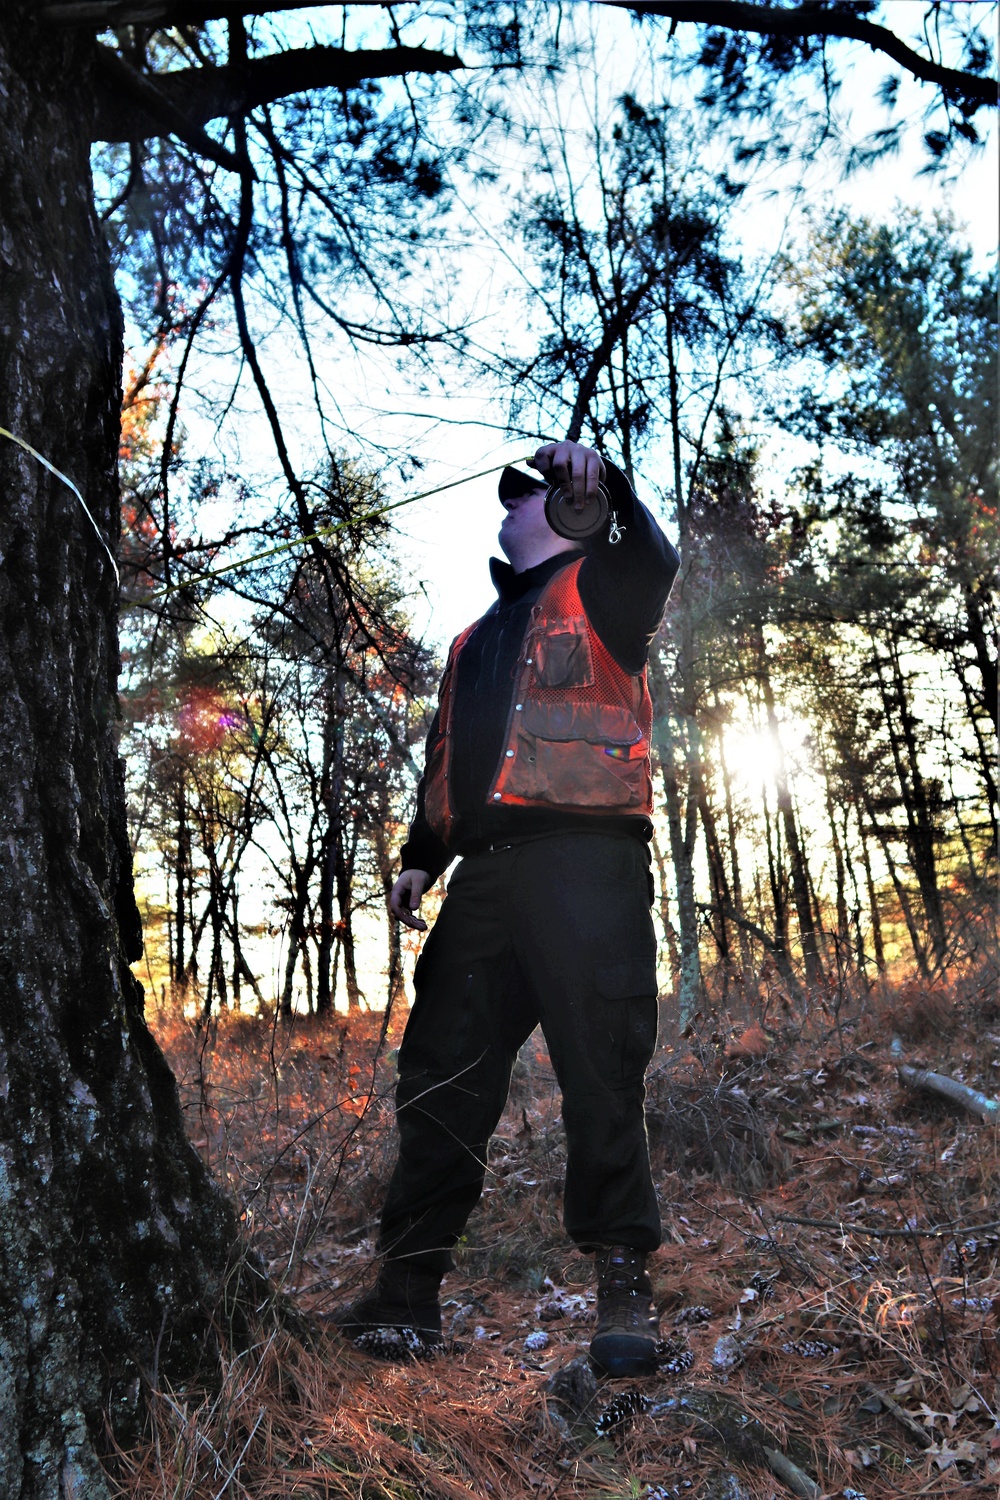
(829, 1278)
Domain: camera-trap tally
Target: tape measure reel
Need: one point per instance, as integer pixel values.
(576, 525)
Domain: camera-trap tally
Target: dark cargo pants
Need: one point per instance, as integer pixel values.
(553, 930)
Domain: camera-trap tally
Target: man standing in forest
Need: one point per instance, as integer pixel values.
(538, 776)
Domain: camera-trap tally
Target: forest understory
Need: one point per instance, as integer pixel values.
(829, 1280)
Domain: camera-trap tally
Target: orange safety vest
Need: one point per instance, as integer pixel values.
(579, 725)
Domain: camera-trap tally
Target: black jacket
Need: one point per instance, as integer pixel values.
(624, 589)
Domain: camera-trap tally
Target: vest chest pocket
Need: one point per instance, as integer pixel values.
(579, 755)
(561, 655)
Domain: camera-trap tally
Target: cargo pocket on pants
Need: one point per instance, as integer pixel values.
(629, 986)
(445, 1031)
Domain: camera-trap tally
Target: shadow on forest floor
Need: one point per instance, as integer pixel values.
(870, 1359)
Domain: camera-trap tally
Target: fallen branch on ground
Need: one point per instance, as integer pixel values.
(903, 1417)
(961, 1094)
(936, 1231)
(797, 1480)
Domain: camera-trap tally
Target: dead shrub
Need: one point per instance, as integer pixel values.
(919, 1011)
(697, 1125)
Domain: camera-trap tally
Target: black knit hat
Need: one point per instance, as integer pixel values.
(514, 482)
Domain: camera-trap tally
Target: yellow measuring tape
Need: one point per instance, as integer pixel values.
(369, 515)
(297, 541)
(67, 481)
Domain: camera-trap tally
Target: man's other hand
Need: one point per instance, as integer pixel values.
(572, 464)
(405, 896)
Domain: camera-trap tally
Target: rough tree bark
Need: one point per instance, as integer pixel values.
(115, 1246)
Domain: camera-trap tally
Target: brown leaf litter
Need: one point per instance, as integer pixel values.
(828, 1281)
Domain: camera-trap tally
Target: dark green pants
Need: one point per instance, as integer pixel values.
(554, 930)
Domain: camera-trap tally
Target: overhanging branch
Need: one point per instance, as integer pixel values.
(102, 14)
(139, 98)
(190, 97)
(969, 89)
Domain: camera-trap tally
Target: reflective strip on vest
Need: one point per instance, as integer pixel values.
(578, 732)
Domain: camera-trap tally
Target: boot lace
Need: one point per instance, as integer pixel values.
(621, 1270)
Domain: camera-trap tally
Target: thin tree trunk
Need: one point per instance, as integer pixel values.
(985, 753)
(682, 827)
(669, 933)
(327, 887)
(194, 928)
(919, 826)
(926, 865)
(183, 865)
(775, 875)
(720, 885)
(840, 873)
(345, 927)
(241, 967)
(234, 942)
(746, 958)
(307, 974)
(980, 635)
(332, 792)
(902, 896)
(854, 916)
(796, 857)
(334, 971)
(385, 863)
(974, 875)
(873, 907)
(817, 910)
(299, 926)
(689, 990)
(218, 958)
(296, 937)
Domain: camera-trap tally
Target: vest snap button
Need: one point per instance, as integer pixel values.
(496, 796)
(510, 755)
(517, 708)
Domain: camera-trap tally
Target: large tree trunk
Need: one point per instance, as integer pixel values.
(114, 1243)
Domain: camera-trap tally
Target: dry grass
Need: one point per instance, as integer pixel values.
(747, 1140)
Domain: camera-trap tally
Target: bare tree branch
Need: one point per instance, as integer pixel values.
(101, 14)
(180, 103)
(774, 948)
(135, 96)
(969, 89)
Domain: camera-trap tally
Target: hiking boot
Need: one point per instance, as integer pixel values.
(401, 1318)
(628, 1328)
